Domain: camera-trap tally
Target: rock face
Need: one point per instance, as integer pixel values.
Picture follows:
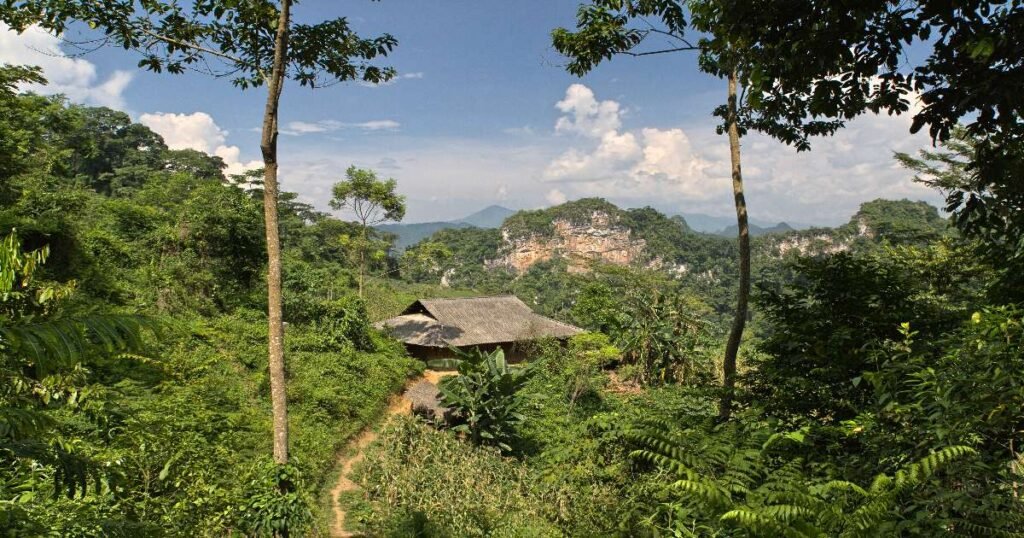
(825, 242)
(597, 240)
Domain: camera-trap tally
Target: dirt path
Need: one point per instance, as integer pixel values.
(354, 452)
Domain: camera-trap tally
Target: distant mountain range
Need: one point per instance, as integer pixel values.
(488, 217)
(493, 216)
(411, 233)
(756, 230)
(711, 224)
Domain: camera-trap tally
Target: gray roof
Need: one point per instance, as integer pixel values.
(473, 321)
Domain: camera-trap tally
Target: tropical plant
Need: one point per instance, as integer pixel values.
(823, 329)
(734, 480)
(44, 359)
(485, 398)
(267, 511)
(654, 326)
(984, 209)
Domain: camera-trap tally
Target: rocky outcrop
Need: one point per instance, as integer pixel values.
(826, 241)
(808, 245)
(600, 239)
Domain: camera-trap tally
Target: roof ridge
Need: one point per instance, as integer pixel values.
(500, 296)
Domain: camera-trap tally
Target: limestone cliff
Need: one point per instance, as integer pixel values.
(599, 238)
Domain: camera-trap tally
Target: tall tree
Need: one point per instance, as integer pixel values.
(603, 31)
(254, 43)
(608, 28)
(832, 61)
(372, 201)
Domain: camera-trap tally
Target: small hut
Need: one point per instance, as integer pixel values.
(429, 327)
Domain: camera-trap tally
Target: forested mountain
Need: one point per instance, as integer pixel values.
(755, 230)
(576, 238)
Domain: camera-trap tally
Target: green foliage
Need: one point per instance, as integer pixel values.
(157, 434)
(657, 328)
(425, 261)
(735, 480)
(823, 328)
(372, 200)
(423, 482)
(965, 390)
(540, 222)
(579, 366)
(485, 397)
(268, 511)
(901, 222)
(984, 207)
(45, 358)
(342, 323)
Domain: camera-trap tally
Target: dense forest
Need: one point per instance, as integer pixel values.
(873, 386)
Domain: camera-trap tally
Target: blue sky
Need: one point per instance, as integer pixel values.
(483, 113)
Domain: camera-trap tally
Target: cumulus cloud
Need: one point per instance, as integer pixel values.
(76, 78)
(651, 161)
(555, 197)
(687, 169)
(198, 131)
(585, 115)
(299, 128)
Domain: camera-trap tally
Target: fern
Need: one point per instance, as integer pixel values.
(41, 362)
(728, 479)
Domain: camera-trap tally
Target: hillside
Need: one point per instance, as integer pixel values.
(726, 225)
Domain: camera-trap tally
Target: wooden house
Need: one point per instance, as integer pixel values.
(430, 327)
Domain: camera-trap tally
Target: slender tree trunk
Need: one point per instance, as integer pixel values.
(275, 321)
(732, 346)
(362, 260)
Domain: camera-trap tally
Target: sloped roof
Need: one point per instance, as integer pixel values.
(473, 321)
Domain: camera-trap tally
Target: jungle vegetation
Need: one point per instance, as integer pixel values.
(873, 388)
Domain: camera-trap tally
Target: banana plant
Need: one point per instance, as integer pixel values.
(485, 399)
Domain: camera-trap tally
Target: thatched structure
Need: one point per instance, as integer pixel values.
(429, 327)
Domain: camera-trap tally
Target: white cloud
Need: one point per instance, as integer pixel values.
(299, 128)
(76, 78)
(651, 162)
(586, 115)
(198, 131)
(555, 197)
(378, 125)
(688, 169)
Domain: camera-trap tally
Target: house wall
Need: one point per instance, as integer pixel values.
(514, 351)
